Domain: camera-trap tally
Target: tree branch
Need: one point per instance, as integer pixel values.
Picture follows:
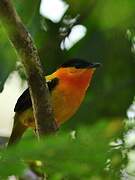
(27, 51)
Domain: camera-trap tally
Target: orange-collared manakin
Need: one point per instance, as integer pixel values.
(67, 86)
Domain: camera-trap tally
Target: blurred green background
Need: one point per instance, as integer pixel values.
(109, 24)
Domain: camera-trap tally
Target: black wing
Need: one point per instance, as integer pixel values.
(24, 101)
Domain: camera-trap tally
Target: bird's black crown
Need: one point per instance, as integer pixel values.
(79, 63)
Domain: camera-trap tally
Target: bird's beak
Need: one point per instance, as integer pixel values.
(94, 65)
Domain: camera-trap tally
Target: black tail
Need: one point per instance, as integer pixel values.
(17, 132)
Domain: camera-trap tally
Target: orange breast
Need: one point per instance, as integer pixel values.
(66, 100)
(70, 92)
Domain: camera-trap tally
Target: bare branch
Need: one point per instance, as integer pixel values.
(27, 51)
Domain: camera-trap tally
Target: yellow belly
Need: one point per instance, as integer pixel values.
(65, 103)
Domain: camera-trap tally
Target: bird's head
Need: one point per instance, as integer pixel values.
(77, 71)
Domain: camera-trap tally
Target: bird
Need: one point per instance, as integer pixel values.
(67, 87)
